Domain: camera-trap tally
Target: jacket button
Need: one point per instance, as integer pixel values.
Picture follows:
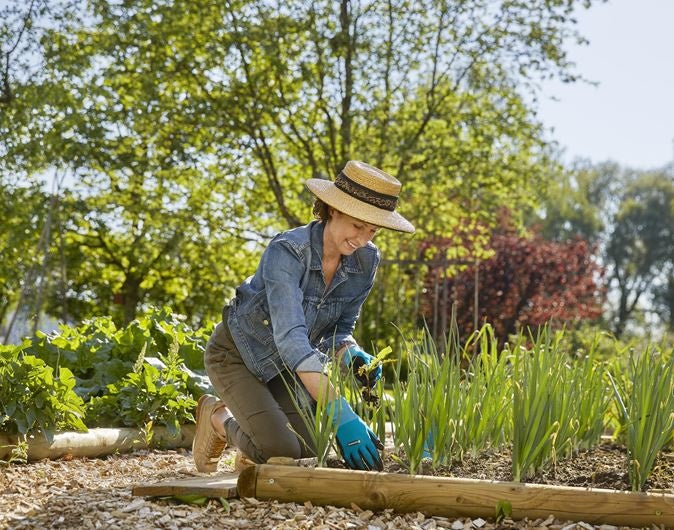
(265, 322)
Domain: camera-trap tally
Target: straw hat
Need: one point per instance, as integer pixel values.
(364, 192)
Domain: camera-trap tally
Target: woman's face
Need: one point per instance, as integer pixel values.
(347, 233)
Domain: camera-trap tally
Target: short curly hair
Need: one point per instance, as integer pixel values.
(321, 210)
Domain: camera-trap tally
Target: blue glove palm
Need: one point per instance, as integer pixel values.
(354, 358)
(356, 441)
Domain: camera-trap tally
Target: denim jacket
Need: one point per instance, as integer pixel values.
(284, 316)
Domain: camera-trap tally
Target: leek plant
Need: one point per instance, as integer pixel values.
(425, 409)
(536, 379)
(487, 393)
(645, 400)
(442, 410)
(407, 409)
(558, 403)
(319, 423)
(592, 393)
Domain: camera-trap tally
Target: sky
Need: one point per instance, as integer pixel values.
(629, 116)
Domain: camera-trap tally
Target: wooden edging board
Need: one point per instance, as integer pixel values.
(454, 497)
(223, 485)
(97, 442)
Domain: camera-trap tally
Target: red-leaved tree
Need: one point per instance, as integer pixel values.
(528, 282)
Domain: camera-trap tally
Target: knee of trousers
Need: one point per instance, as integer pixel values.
(284, 444)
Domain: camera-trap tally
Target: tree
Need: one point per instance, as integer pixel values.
(663, 299)
(144, 195)
(527, 282)
(162, 109)
(640, 250)
(23, 214)
(629, 215)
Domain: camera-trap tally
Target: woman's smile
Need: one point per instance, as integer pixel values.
(352, 245)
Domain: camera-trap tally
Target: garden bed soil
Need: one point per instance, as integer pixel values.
(604, 466)
(96, 493)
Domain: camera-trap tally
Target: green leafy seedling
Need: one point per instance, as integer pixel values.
(503, 509)
(198, 500)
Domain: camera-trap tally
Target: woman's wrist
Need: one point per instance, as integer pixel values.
(318, 385)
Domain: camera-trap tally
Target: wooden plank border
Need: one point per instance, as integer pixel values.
(454, 497)
(223, 485)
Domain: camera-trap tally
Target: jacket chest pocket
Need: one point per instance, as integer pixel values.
(327, 313)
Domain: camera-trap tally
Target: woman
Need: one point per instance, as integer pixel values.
(299, 307)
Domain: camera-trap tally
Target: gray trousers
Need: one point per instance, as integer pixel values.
(261, 411)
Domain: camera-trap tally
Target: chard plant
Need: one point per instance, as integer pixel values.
(147, 396)
(36, 398)
(645, 398)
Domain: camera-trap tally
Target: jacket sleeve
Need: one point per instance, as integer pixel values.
(282, 273)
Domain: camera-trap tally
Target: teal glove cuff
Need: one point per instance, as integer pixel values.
(355, 440)
(340, 411)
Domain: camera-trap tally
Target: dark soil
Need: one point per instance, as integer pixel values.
(604, 466)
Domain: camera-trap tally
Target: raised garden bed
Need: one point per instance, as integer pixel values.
(477, 487)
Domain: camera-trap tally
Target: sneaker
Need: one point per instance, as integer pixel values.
(241, 461)
(208, 445)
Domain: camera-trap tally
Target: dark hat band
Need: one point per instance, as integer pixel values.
(362, 193)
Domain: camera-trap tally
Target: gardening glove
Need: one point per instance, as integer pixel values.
(353, 358)
(356, 441)
(428, 445)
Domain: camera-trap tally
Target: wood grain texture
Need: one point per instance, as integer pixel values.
(452, 497)
(216, 486)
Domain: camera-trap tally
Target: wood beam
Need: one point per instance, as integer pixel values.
(454, 497)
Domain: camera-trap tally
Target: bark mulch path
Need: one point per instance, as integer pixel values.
(96, 493)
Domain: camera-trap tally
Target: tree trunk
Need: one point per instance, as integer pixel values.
(131, 297)
(349, 45)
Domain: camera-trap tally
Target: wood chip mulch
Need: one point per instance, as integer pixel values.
(96, 493)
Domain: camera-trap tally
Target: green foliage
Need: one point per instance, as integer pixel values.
(645, 397)
(533, 395)
(641, 246)
(314, 414)
(146, 396)
(454, 403)
(190, 128)
(133, 376)
(23, 209)
(559, 405)
(98, 353)
(33, 400)
(630, 215)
